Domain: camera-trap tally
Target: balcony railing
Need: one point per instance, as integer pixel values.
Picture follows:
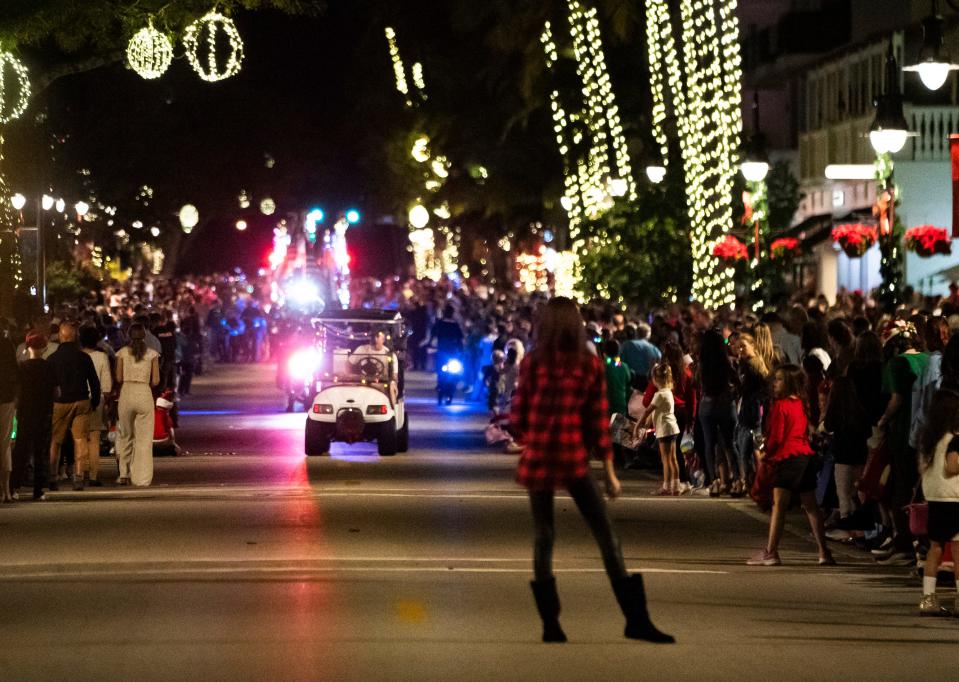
(848, 141)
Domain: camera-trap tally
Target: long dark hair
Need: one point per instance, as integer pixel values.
(559, 330)
(844, 406)
(138, 344)
(868, 348)
(942, 418)
(715, 370)
(794, 384)
(673, 356)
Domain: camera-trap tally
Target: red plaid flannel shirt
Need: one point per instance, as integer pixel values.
(560, 415)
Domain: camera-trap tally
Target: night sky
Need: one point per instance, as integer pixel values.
(315, 95)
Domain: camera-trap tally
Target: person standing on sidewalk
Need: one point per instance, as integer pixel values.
(138, 369)
(8, 406)
(79, 393)
(38, 387)
(89, 338)
(559, 412)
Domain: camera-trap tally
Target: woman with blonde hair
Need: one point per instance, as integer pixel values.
(765, 348)
(753, 372)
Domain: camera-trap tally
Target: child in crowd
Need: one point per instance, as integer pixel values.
(939, 464)
(794, 472)
(661, 415)
(164, 438)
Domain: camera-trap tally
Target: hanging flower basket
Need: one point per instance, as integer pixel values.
(784, 248)
(927, 240)
(855, 239)
(730, 250)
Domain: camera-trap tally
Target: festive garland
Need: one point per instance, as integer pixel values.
(206, 64)
(149, 53)
(855, 239)
(12, 105)
(730, 250)
(783, 248)
(927, 240)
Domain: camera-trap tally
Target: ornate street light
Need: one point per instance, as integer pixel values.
(934, 63)
(889, 131)
(656, 174)
(755, 165)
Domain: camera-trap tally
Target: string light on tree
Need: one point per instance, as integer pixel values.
(201, 41)
(149, 53)
(399, 70)
(14, 87)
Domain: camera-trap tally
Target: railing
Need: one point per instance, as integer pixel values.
(934, 126)
(848, 142)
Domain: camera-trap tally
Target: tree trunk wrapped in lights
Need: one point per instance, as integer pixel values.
(704, 91)
(11, 271)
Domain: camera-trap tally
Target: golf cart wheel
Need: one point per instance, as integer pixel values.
(316, 443)
(386, 442)
(403, 435)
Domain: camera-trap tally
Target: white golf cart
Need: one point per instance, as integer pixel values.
(360, 383)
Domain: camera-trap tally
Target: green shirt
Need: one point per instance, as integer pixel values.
(901, 372)
(619, 385)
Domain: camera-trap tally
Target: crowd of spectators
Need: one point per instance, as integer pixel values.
(108, 370)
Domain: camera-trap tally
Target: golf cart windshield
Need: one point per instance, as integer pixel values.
(358, 351)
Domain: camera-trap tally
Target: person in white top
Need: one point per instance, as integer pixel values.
(89, 338)
(663, 419)
(138, 368)
(939, 466)
(379, 352)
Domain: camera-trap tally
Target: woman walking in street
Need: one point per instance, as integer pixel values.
(138, 369)
(717, 409)
(560, 413)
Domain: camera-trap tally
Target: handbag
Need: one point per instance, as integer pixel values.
(875, 475)
(918, 513)
(495, 433)
(761, 491)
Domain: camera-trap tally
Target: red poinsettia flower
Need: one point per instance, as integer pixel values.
(927, 240)
(784, 247)
(730, 249)
(855, 239)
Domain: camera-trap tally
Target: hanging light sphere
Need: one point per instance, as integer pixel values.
(241, 225)
(419, 216)
(13, 100)
(149, 53)
(189, 217)
(201, 38)
(268, 206)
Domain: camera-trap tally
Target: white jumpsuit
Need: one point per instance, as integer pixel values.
(135, 419)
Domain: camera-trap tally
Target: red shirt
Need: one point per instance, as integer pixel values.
(560, 415)
(162, 423)
(684, 396)
(787, 430)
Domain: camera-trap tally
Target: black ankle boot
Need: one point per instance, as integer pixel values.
(547, 603)
(631, 596)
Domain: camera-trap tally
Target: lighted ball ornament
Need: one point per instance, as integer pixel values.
(149, 53)
(200, 40)
(14, 87)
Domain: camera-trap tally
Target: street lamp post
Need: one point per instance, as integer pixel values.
(888, 135)
(934, 63)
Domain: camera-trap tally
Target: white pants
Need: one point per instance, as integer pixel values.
(846, 477)
(7, 412)
(135, 434)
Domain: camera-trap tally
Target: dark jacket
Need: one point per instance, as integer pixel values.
(38, 385)
(76, 375)
(8, 371)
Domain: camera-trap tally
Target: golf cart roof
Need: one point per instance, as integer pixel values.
(360, 315)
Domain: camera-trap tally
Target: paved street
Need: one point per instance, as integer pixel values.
(248, 561)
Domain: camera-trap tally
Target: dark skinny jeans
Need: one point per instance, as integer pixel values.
(589, 500)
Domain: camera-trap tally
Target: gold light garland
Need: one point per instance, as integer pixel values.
(212, 24)
(13, 105)
(149, 53)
